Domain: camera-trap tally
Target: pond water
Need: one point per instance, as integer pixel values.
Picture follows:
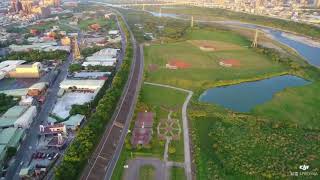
(245, 96)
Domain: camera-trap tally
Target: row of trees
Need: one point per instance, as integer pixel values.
(36, 55)
(78, 67)
(6, 102)
(83, 145)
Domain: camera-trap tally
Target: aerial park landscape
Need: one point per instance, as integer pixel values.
(160, 90)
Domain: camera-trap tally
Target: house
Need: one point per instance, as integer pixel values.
(142, 132)
(53, 129)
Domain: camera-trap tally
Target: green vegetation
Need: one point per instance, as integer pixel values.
(204, 70)
(84, 24)
(91, 50)
(147, 172)
(83, 109)
(78, 67)
(172, 29)
(35, 56)
(237, 146)
(6, 102)
(223, 14)
(158, 100)
(75, 68)
(272, 140)
(294, 106)
(177, 173)
(87, 138)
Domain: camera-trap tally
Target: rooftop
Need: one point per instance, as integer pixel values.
(144, 119)
(15, 111)
(74, 120)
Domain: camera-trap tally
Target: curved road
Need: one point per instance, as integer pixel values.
(187, 154)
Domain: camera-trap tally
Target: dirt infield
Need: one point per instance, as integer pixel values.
(230, 63)
(205, 45)
(180, 64)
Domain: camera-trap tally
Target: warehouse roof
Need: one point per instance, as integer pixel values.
(15, 111)
(15, 92)
(7, 122)
(82, 83)
(74, 120)
(11, 136)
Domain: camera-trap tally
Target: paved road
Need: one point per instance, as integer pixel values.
(132, 173)
(29, 145)
(187, 154)
(105, 157)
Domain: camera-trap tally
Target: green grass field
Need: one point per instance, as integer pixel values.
(147, 172)
(205, 70)
(295, 106)
(271, 141)
(83, 24)
(177, 173)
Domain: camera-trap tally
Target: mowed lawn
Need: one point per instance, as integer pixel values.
(205, 70)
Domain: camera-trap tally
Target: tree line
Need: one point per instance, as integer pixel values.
(77, 155)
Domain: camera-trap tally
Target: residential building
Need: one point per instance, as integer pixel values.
(53, 129)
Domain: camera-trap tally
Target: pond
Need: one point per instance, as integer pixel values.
(245, 96)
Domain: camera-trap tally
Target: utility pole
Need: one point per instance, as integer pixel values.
(191, 22)
(255, 41)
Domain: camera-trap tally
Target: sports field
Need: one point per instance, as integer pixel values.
(204, 69)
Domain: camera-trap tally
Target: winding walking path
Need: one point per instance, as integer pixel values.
(187, 154)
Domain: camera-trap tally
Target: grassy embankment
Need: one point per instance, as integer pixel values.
(270, 142)
(159, 100)
(217, 14)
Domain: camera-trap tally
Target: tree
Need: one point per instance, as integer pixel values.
(75, 68)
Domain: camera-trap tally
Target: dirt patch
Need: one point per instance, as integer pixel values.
(230, 63)
(177, 64)
(206, 45)
(153, 67)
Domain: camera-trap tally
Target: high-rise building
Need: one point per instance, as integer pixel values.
(27, 6)
(317, 3)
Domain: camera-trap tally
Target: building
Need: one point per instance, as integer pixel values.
(66, 41)
(37, 89)
(7, 66)
(91, 85)
(74, 122)
(3, 154)
(11, 137)
(91, 75)
(53, 129)
(18, 116)
(104, 57)
(58, 142)
(113, 32)
(142, 132)
(27, 71)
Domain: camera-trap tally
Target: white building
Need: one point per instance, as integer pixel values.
(81, 84)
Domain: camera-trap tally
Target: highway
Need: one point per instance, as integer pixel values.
(105, 157)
